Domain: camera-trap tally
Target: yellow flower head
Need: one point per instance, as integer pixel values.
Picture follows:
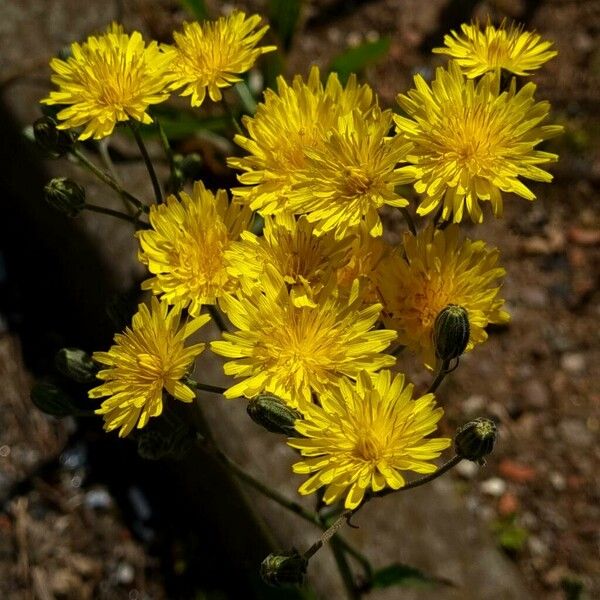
(295, 119)
(185, 249)
(364, 435)
(292, 351)
(211, 55)
(307, 263)
(434, 269)
(351, 175)
(365, 254)
(146, 359)
(478, 51)
(470, 142)
(110, 78)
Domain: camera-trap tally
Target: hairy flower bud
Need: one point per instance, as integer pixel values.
(52, 140)
(52, 400)
(284, 569)
(76, 364)
(65, 195)
(175, 444)
(475, 440)
(273, 414)
(451, 332)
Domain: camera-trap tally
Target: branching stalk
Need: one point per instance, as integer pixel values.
(149, 166)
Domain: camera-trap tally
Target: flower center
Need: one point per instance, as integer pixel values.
(368, 447)
(356, 182)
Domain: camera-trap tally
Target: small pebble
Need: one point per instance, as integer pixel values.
(98, 499)
(474, 404)
(354, 39)
(493, 487)
(536, 394)
(467, 469)
(558, 481)
(536, 546)
(573, 362)
(575, 433)
(125, 574)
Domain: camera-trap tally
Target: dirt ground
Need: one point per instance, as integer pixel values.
(539, 495)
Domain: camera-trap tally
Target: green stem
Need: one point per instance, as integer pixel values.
(217, 317)
(440, 375)
(116, 214)
(422, 480)
(246, 97)
(232, 116)
(344, 568)
(267, 491)
(409, 220)
(164, 140)
(286, 503)
(149, 166)
(108, 180)
(206, 387)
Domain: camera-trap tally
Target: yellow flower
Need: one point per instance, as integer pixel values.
(211, 55)
(185, 249)
(146, 359)
(292, 351)
(351, 175)
(364, 256)
(363, 436)
(478, 51)
(430, 271)
(470, 142)
(110, 78)
(290, 122)
(307, 263)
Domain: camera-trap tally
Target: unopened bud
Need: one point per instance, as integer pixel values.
(451, 332)
(76, 364)
(54, 141)
(52, 400)
(284, 569)
(273, 414)
(475, 440)
(191, 166)
(65, 196)
(155, 444)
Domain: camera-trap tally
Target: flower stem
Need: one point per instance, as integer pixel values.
(232, 116)
(217, 317)
(422, 480)
(409, 220)
(205, 387)
(116, 214)
(352, 591)
(439, 377)
(164, 140)
(144, 152)
(108, 180)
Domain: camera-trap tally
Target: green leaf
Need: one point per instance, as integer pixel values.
(356, 59)
(509, 534)
(196, 8)
(283, 16)
(404, 576)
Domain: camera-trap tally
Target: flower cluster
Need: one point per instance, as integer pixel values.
(314, 304)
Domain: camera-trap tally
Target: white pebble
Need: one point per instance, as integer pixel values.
(493, 486)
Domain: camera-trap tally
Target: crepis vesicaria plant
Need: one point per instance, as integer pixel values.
(315, 307)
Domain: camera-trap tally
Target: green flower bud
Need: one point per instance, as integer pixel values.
(284, 569)
(273, 414)
(65, 196)
(475, 440)
(54, 141)
(76, 364)
(190, 166)
(451, 332)
(52, 400)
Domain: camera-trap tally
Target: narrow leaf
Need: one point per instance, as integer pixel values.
(283, 17)
(356, 59)
(405, 576)
(196, 8)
